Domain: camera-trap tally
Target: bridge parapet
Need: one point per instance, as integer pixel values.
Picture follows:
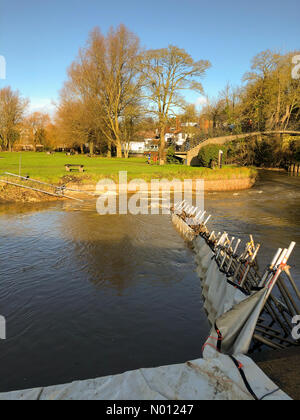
(192, 155)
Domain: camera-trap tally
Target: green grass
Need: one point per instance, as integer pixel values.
(50, 168)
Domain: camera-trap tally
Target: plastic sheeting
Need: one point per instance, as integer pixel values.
(215, 378)
(229, 309)
(187, 233)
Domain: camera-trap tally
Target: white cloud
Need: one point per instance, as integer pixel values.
(42, 105)
(201, 101)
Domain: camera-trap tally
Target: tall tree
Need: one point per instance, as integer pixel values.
(106, 75)
(78, 121)
(214, 111)
(35, 125)
(130, 126)
(12, 110)
(271, 95)
(230, 97)
(166, 73)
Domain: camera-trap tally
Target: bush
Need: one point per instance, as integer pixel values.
(210, 153)
(171, 158)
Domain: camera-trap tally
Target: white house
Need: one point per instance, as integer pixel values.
(140, 147)
(179, 138)
(137, 147)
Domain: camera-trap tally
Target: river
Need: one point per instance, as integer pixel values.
(86, 295)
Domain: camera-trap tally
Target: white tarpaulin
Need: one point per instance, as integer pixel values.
(187, 233)
(234, 313)
(218, 376)
(215, 378)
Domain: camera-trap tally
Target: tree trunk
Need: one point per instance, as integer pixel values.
(91, 145)
(109, 149)
(81, 149)
(286, 118)
(162, 146)
(5, 142)
(277, 117)
(126, 151)
(119, 149)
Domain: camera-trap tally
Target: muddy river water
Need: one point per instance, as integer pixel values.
(86, 295)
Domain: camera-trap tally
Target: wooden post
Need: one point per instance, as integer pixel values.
(221, 158)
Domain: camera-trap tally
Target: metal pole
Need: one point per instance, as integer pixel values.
(268, 342)
(278, 337)
(41, 191)
(292, 281)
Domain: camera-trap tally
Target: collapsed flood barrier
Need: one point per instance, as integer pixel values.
(52, 190)
(225, 372)
(246, 309)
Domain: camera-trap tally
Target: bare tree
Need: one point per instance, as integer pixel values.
(35, 126)
(12, 109)
(78, 122)
(106, 75)
(166, 73)
(271, 95)
(130, 126)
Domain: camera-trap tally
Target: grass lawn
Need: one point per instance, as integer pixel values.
(51, 168)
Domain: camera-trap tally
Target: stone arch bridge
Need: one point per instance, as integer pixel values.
(191, 156)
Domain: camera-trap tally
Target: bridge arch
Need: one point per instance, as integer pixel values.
(191, 156)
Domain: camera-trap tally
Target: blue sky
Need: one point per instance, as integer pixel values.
(40, 38)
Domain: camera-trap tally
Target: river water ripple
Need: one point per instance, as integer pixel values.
(87, 295)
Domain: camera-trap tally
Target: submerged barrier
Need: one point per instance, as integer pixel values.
(246, 309)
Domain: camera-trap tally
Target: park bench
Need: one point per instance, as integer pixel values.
(70, 168)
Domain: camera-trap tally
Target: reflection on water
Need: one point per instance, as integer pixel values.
(87, 295)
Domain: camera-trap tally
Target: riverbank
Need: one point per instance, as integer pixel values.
(51, 169)
(13, 194)
(217, 185)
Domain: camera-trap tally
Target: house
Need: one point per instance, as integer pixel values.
(176, 135)
(180, 134)
(139, 148)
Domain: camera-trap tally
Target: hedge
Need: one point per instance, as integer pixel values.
(210, 153)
